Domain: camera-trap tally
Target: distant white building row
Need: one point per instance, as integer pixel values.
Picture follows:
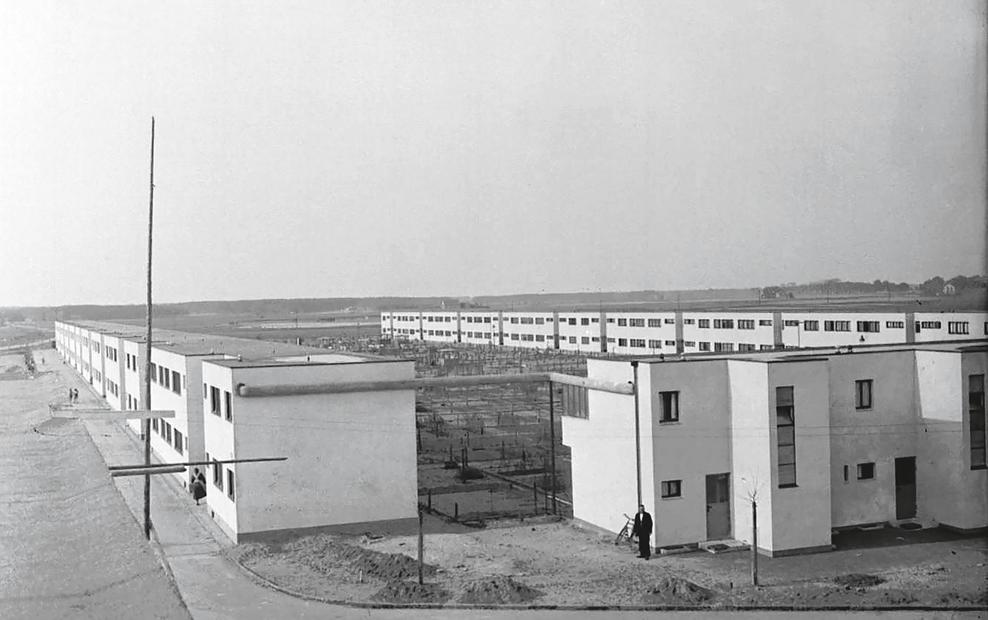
(821, 440)
(653, 333)
(351, 456)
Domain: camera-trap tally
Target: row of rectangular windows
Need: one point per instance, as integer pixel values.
(222, 408)
(721, 347)
(810, 325)
(217, 468)
(670, 489)
(167, 378)
(172, 436)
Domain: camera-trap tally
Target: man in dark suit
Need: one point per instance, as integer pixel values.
(643, 530)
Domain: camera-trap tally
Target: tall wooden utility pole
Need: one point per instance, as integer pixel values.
(147, 357)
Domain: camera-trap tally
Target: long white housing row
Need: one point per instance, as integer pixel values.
(654, 333)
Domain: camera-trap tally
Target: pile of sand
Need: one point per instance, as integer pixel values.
(671, 590)
(497, 590)
(410, 593)
(325, 555)
(858, 580)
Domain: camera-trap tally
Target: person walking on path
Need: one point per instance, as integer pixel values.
(75, 395)
(643, 530)
(198, 485)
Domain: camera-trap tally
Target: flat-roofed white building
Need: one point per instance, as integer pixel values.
(934, 326)
(482, 328)
(530, 330)
(112, 368)
(351, 455)
(686, 331)
(835, 329)
(407, 325)
(823, 440)
(441, 326)
(583, 332)
(638, 333)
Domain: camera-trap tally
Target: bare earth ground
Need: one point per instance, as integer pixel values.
(68, 545)
(568, 566)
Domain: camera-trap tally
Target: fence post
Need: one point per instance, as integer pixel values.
(421, 545)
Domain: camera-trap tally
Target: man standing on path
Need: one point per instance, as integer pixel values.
(643, 530)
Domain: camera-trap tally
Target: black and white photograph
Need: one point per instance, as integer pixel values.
(606, 309)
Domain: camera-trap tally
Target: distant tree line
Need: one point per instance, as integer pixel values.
(933, 287)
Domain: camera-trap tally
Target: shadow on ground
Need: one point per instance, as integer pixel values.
(896, 536)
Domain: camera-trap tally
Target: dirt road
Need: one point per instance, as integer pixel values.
(68, 545)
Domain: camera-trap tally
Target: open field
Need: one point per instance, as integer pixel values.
(559, 564)
(18, 334)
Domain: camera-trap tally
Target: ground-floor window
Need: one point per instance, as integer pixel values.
(976, 422)
(866, 471)
(672, 488)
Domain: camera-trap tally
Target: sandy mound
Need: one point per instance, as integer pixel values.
(323, 554)
(409, 592)
(858, 580)
(498, 590)
(677, 591)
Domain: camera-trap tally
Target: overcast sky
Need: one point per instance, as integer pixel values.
(311, 149)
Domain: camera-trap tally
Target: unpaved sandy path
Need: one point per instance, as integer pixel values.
(69, 548)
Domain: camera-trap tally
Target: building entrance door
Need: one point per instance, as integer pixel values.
(905, 487)
(718, 506)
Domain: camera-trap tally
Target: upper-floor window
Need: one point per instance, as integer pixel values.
(669, 406)
(811, 326)
(746, 324)
(862, 393)
(214, 400)
(868, 326)
(785, 423)
(957, 327)
(703, 323)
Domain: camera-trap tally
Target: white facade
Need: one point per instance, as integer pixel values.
(671, 333)
(351, 456)
(529, 330)
(877, 436)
